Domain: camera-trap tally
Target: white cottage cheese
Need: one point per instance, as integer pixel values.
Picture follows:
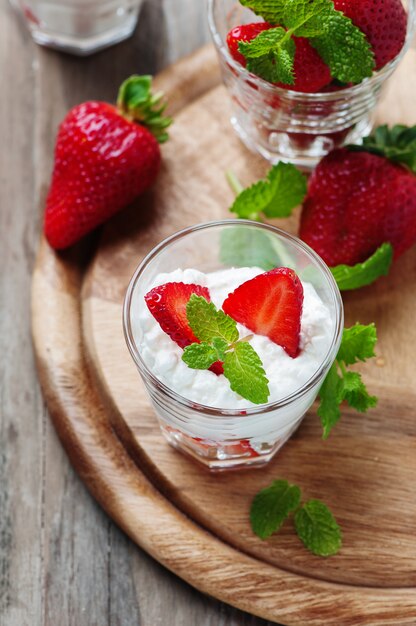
(285, 374)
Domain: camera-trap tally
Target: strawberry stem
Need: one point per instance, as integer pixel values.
(136, 102)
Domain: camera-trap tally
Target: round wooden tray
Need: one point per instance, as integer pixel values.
(193, 522)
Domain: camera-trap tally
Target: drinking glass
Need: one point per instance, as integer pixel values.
(79, 26)
(221, 438)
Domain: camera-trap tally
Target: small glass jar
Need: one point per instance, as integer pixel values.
(285, 125)
(78, 26)
(226, 438)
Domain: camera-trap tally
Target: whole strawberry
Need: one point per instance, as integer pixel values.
(360, 197)
(311, 73)
(105, 156)
(383, 21)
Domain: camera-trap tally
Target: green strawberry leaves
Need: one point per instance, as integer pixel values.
(313, 521)
(398, 144)
(136, 102)
(343, 46)
(220, 341)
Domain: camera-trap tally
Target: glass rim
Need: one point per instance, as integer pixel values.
(376, 79)
(219, 411)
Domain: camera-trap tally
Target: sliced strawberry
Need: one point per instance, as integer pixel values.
(167, 303)
(270, 304)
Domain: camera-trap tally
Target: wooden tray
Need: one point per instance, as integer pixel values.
(195, 523)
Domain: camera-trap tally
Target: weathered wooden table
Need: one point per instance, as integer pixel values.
(62, 561)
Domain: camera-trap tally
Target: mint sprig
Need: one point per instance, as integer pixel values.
(220, 341)
(283, 189)
(342, 385)
(341, 44)
(317, 528)
(378, 264)
(271, 507)
(313, 521)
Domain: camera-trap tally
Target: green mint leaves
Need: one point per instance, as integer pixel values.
(343, 46)
(271, 507)
(398, 144)
(340, 384)
(318, 529)
(314, 522)
(208, 323)
(378, 264)
(220, 341)
(277, 195)
(271, 55)
(244, 370)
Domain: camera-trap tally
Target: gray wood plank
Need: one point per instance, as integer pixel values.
(21, 409)
(62, 561)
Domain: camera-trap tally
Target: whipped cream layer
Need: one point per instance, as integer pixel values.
(285, 375)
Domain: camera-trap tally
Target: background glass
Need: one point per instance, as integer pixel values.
(79, 26)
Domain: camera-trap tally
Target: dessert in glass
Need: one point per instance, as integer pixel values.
(197, 410)
(282, 123)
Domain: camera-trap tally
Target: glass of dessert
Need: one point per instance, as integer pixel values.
(328, 103)
(264, 314)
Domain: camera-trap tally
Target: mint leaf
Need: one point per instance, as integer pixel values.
(271, 55)
(307, 19)
(357, 344)
(220, 346)
(345, 49)
(199, 356)
(397, 144)
(317, 528)
(355, 276)
(330, 395)
(343, 46)
(244, 370)
(206, 322)
(271, 506)
(276, 196)
(355, 392)
(270, 10)
(245, 247)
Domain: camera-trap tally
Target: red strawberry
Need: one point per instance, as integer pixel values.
(270, 304)
(311, 73)
(167, 303)
(356, 201)
(103, 160)
(383, 21)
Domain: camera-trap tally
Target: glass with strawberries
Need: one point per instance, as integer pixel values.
(233, 326)
(305, 77)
